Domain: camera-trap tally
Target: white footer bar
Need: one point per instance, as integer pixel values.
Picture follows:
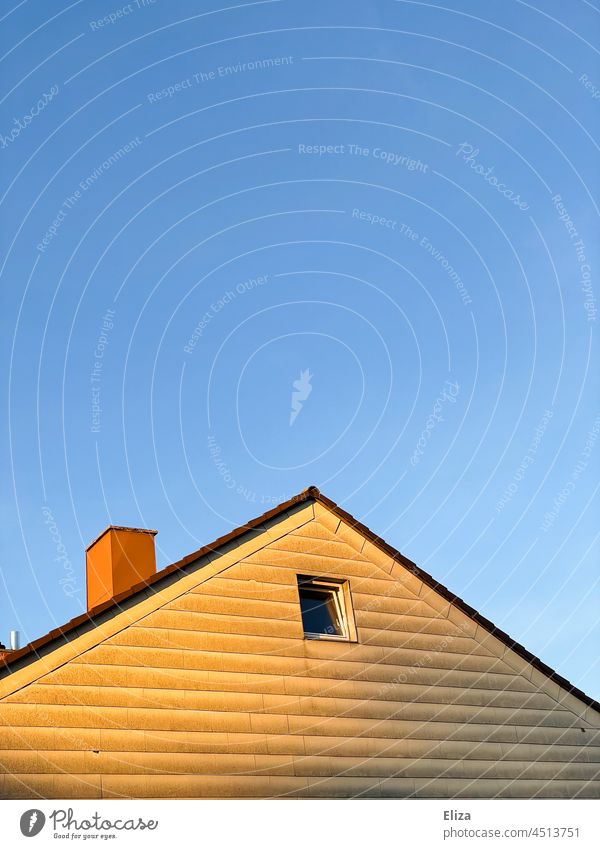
(291, 824)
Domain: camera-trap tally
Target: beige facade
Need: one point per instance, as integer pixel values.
(205, 686)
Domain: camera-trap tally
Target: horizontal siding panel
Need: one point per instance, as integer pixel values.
(247, 589)
(274, 575)
(42, 786)
(528, 789)
(212, 684)
(236, 606)
(454, 658)
(135, 718)
(205, 641)
(431, 768)
(37, 738)
(304, 545)
(317, 721)
(548, 736)
(372, 747)
(434, 730)
(140, 763)
(315, 530)
(397, 605)
(310, 564)
(154, 787)
(258, 787)
(434, 642)
(250, 581)
(442, 635)
(202, 787)
(190, 700)
(344, 787)
(414, 691)
(362, 680)
(85, 726)
(378, 664)
(369, 646)
(375, 621)
(179, 620)
(238, 764)
(127, 740)
(384, 586)
(486, 788)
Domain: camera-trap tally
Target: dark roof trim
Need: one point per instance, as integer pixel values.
(312, 493)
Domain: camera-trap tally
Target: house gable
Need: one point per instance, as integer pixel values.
(208, 688)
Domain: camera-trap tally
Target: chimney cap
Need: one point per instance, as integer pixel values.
(119, 528)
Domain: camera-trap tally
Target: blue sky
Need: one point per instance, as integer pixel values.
(381, 216)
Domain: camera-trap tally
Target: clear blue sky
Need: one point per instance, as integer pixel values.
(253, 248)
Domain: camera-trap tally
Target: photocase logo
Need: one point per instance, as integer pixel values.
(32, 822)
(302, 390)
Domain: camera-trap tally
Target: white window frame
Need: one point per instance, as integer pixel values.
(340, 591)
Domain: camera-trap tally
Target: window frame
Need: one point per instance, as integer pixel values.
(340, 590)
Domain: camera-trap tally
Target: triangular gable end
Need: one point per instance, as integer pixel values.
(203, 685)
(306, 507)
(447, 605)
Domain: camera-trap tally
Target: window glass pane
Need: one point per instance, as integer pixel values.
(320, 612)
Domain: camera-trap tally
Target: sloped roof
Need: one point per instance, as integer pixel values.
(43, 645)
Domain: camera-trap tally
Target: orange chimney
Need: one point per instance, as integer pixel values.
(117, 560)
